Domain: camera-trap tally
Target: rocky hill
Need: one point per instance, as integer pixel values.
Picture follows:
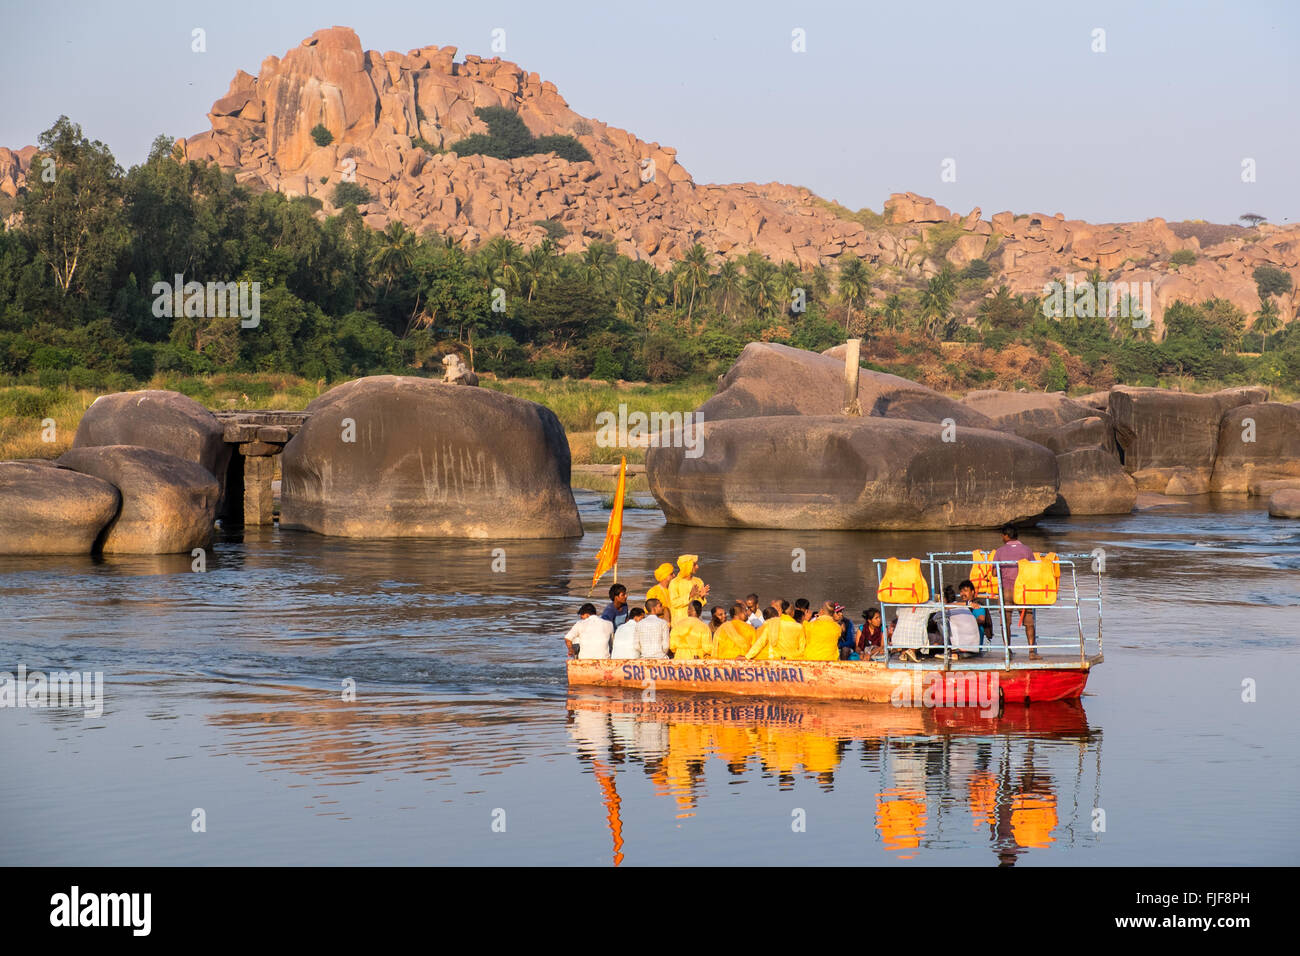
(392, 115)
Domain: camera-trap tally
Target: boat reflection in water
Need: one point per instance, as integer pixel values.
(1022, 781)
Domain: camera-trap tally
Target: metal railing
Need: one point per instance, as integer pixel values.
(936, 562)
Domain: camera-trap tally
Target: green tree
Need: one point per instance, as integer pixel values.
(854, 284)
(697, 262)
(321, 134)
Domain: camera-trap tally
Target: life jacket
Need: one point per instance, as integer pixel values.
(983, 574)
(1036, 582)
(1050, 556)
(903, 583)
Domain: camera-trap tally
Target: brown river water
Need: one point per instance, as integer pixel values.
(224, 737)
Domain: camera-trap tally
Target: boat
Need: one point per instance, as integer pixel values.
(999, 675)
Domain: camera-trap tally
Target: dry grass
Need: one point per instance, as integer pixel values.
(26, 413)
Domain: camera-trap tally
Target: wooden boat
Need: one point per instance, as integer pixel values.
(972, 682)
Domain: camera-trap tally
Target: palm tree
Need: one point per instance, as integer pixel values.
(505, 256)
(696, 265)
(893, 312)
(762, 285)
(729, 282)
(537, 266)
(855, 284)
(395, 253)
(597, 263)
(1266, 322)
(789, 278)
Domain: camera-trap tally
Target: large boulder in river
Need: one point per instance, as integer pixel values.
(1171, 438)
(395, 456)
(770, 379)
(1093, 482)
(45, 509)
(158, 419)
(1093, 432)
(839, 472)
(1048, 418)
(1257, 443)
(1285, 504)
(169, 504)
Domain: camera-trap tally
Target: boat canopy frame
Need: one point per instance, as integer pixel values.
(936, 561)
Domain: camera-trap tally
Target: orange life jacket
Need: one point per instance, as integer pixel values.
(903, 583)
(1036, 582)
(983, 574)
(1056, 565)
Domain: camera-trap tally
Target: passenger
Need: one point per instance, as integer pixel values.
(1013, 550)
(690, 638)
(754, 616)
(663, 577)
(717, 617)
(589, 639)
(823, 635)
(963, 629)
(780, 638)
(685, 588)
(803, 605)
(734, 638)
(871, 637)
(970, 598)
(848, 637)
(616, 610)
(624, 647)
(908, 632)
(652, 632)
(797, 614)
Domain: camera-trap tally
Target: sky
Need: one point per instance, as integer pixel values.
(1185, 110)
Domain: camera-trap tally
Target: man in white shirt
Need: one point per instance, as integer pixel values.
(754, 617)
(624, 648)
(590, 638)
(652, 632)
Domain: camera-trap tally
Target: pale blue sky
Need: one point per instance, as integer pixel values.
(1157, 125)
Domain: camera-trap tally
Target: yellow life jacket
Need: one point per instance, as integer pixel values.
(983, 574)
(903, 583)
(1050, 556)
(1035, 582)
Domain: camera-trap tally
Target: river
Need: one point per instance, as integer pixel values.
(227, 736)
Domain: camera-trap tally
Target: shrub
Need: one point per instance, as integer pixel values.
(607, 367)
(582, 128)
(977, 269)
(553, 229)
(1271, 280)
(321, 135)
(565, 147)
(350, 194)
(508, 138)
(1183, 257)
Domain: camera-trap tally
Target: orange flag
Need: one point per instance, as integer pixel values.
(607, 556)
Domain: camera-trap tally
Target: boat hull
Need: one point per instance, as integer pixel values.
(964, 685)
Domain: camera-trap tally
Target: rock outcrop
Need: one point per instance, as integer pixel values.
(164, 421)
(838, 472)
(1169, 440)
(45, 509)
(395, 456)
(1093, 482)
(1258, 443)
(1285, 504)
(169, 504)
(770, 379)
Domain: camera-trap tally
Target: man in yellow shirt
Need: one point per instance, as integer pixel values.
(663, 575)
(690, 638)
(734, 637)
(685, 588)
(780, 638)
(822, 636)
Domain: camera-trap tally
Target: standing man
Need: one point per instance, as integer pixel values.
(663, 577)
(685, 588)
(616, 610)
(1014, 550)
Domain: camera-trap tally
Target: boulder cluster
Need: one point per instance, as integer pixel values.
(145, 475)
(778, 451)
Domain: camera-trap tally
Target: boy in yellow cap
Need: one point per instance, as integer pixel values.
(685, 587)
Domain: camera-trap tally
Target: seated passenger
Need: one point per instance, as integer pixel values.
(616, 610)
(909, 632)
(590, 638)
(970, 598)
(871, 637)
(963, 630)
(822, 636)
(753, 616)
(780, 638)
(734, 638)
(690, 638)
(652, 631)
(848, 634)
(624, 646)
(717, 617)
